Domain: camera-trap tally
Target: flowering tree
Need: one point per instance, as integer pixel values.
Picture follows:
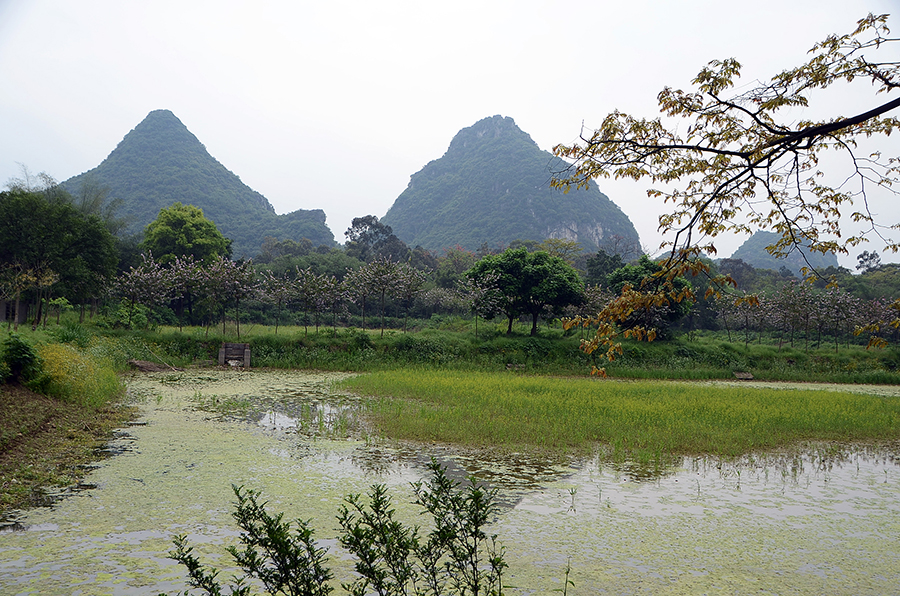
(275, 290)
(147, 284)
(735, 162)
(185, 274)
(306, 290)
(480, 295)
(383, 277)
(408, 285)
(224, 281)
(332, 296)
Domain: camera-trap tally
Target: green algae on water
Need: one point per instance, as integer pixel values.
(818, 519)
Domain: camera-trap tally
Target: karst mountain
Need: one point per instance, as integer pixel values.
(753, 252)
(493, 186)
(161, 162)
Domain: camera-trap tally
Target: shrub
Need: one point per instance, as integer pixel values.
(392, 559)
(23, 364)
(73, 333)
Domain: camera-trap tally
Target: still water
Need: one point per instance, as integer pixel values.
(815, 520)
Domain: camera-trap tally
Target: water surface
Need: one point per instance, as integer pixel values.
(820, 519)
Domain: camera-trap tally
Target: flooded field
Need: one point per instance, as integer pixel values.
(821, 519)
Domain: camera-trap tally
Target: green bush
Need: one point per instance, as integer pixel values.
(76, 377)
(73, 333)
(22, 362)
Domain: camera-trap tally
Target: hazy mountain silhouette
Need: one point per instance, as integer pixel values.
(753, 252)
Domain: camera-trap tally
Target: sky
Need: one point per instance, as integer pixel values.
(334, 105)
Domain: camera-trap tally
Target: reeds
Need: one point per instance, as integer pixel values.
(576, 414)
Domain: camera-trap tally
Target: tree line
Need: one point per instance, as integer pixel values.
(58, 250)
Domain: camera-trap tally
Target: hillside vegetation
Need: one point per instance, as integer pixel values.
(160, 162)
(493, 186)
(753, 252)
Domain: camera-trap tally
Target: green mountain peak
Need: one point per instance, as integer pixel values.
(161, 162)
(753, 252)
(493, 185)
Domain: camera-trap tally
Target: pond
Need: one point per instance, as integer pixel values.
(819, 519)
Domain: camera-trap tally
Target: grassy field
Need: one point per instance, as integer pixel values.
(552, 352)
(643, 418)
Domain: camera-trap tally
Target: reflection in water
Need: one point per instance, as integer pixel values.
(817, 519)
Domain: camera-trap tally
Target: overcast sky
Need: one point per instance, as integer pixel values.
(333, 105)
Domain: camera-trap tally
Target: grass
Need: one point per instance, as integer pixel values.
(47, 438)
(443, 383)
(452, 344)
(77, 376)
(628, 417)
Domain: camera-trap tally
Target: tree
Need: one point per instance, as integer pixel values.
(567, 250)
(223, 281)
(182, 230)
(146, 284)
(408, 285)
(275, 290)
(530, 283)
(368, 238)
(382, 277)
(868, 261)
(186, 276)
(480, 295)
(93, 199)
(452, 266)
(15, 279)
(659, 317)
(600, 264)
(43, 233)
(309, 291)
(733, 163)
(273, 248)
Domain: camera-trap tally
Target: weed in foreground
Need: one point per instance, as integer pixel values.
(456, 557)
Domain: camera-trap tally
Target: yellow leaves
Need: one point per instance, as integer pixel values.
(744, 165)
(717, 76)
(598, 372)
(748, 299)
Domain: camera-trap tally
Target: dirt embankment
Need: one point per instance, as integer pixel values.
(45, 442)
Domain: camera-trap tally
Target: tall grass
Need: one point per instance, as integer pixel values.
(569, 414)
(76, 376)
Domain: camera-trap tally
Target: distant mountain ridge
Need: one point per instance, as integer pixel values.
(160, 162)
(493, 185)
(753, 252)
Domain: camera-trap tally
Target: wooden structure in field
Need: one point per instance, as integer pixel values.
(234, 355)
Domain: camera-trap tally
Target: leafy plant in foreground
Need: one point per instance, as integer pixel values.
(456, 557)
(285, 563)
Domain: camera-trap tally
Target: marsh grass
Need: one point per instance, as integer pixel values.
(647, 420)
